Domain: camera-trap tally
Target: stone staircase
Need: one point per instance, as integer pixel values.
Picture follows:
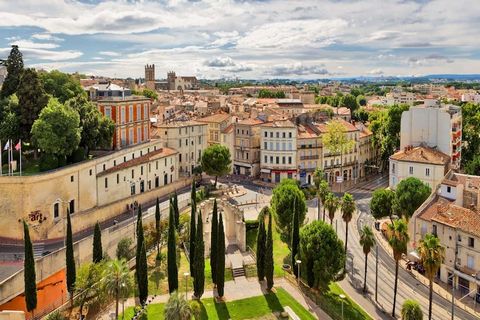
(38, 249)
(238, 272)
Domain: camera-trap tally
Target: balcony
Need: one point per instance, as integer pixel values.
(312, 157)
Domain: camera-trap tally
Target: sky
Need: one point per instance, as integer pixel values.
(211, 39)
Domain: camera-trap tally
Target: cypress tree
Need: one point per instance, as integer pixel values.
(158, 217)
(172, 253)
(214, 242)
(29, 273)
(220, 258)
(70, 260)
(14, 64)
(142, 275)
(199, 260)
(261, 237)
(140, 235)
(269, 255)
(192, 229)
(295, 240)
(176, 211)
(97, 244)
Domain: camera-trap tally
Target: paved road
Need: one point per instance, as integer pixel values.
(408, 286)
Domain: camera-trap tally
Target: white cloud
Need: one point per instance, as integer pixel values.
(220, 62)
(297, 69)
(376, 72)
(110, 53)
(27, 44)
(46, 36)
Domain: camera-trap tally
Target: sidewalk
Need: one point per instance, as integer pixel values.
(237, 289)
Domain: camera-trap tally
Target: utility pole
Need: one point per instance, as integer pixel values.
(376, 273)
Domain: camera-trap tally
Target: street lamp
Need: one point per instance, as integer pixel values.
(298, 263)
(342, 296)
(186, 274)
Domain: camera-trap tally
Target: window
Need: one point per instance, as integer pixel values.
(139, 134)
(141, 170)
(427, 172)
(278, 135)
(247, 155)
(122, 115)
(434, 230)
(114, 163)
(179, 157)
(90, 171)
(145, 133)
(289, 160)
(277, 160)
(104, 167)
(470, 262)
(289, 134)
(71, 178)
(106, 183)
(271, 134)
(118, 178)
(393, 167)
(156, 165)
(283, 135)
(277, 145)
(471, 242)
(266, 159)
(283, 160)
(180, 143)
(133, 173)
(271, 159)
(145, 112)
(449, 189)
(410, 170)
(289, 146)
(283, 145)
(130, 113)
(56, 210)
(108, 112)
(130, 136)
(123, 138)
(72, 206)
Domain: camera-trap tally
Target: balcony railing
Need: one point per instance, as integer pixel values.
(312, 157)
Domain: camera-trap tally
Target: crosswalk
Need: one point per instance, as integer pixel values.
(368, 187)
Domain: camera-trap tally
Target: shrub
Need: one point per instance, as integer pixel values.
(77, 156)
(124, 249)
(48, 162)
(251, 224)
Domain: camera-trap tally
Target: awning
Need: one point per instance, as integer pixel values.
(413, 256)
(265, 170)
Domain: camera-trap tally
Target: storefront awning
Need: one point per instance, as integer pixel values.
(265, 170)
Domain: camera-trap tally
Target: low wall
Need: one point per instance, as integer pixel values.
(52, 263)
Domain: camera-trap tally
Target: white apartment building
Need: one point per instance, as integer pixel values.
(278, 151)
(427, 164)
(309, 152)
(438, 127)
(471, 97)
(189, 138)
(400, 98)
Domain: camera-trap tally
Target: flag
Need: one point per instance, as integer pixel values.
(7, 145)
(17, 146)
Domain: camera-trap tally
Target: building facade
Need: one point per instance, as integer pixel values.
(309, 152)
(278, 151)
(399, 98)
(216, 124)
(188, 138)
(246, 154)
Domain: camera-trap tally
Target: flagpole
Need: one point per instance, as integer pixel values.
(20, 157)
(9, 160)
(11, 155)
(1, 163)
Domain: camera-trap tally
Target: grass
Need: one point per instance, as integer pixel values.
(249, 308)
(280, 249)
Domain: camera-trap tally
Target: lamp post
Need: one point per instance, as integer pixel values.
(376, 273)
(186, 274)
(342, 296)
(298, 263)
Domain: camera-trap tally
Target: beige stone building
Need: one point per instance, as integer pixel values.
(278, 151)
(216, 124)
(427, 164)
(227, 138)
(309, 152)
(188, 138)
(246, 156)
(452, 213)
(90, 190)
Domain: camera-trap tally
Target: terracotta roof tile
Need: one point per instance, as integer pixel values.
(219, 117)
(422, 155)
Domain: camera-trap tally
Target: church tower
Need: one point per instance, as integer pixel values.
(150, 76)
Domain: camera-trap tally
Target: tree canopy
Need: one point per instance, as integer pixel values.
(287, 196)
(62, 86)
(216, 161)
(335, 139)
(409, 195)
(57, 131)
(349, 101)
(470, 133)
(381, 204)
(14, 64)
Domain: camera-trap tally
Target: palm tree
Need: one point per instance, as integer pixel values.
(432, 254)
(323, 191)
(177, 308)
(331, 203)
(411, 310)
(397, 239)
(348, 208)
(367, 241)
(117, 280)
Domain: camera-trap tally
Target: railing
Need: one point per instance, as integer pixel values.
(312, 157)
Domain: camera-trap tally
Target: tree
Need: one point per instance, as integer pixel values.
(70, 260)
(349, 101)
(57, 130)
(32, 99)
(172, 253)
(322, 189)
(331, 203)
(117, 278)
(336, 141)
(367, 241)
(193, 232)
(473, 166)
(269, 255)
(348, 208)
(88, 290)
(398, 239)
(140, 235)
(149, 94)
(124, 250)
(62, 86)
(9, 122)
(158, 217)
(470, 130)
(322, 254)
(282, 205)
(177, 308)
(381, 204)
(261, 238)
(96, 130)
(220, 277)
(411, 310)
(14, 64)
(199, 260)
(97, 244)
(176, 211)
(410, 195)
(30, 283)
(295, 239)
(214, 242)
(361, 100)
(142, 275)
(432, 254)
(216, 161)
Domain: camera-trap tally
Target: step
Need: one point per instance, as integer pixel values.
(38, 249)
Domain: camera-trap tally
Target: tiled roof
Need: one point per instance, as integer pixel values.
(348, 126)
(280, 124)
(228, 129)
(157, 154)
(250, 121)
(456, 178)
(422, 155)
(448, 213)
(180, 124)
(219, 117)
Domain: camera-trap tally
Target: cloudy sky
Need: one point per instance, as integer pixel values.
(305, 39)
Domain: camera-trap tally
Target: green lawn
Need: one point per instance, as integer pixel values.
(250, 308)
